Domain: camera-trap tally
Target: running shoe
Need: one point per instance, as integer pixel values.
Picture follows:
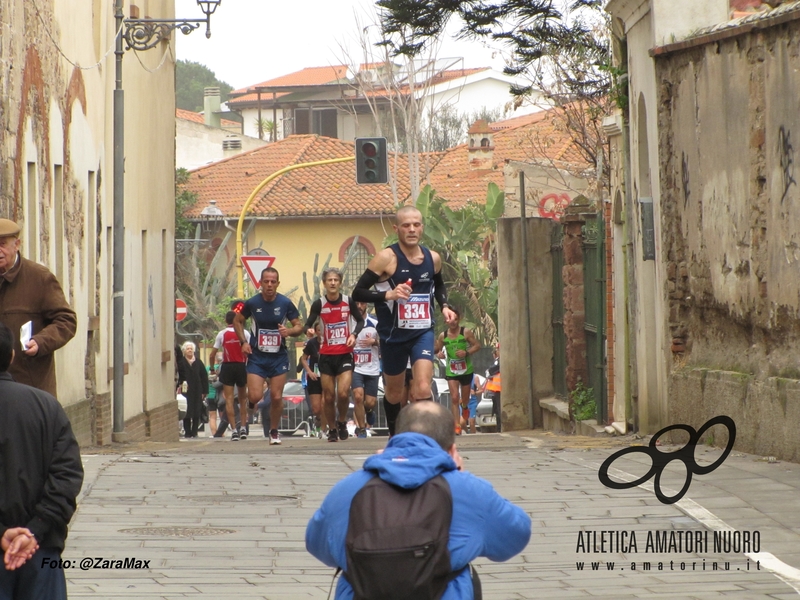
(465, 412)
(333, 435)
(274, 437)
(458, 429)
(371, 417)
(361, 433)
(235, 436)
(242, 433)
(342, 427)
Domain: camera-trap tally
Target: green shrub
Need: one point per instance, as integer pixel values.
(583, 404)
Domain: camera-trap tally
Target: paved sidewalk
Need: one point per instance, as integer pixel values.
(227, 520)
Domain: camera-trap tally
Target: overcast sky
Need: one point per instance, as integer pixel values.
(256, 40)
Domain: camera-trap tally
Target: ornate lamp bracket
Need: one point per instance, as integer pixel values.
(143, 34)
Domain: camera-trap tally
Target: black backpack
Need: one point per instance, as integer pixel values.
(396, 542)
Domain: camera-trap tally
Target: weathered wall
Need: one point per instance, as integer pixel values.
(766, 411)
(56, 141)
(520, 404)
(731, 224)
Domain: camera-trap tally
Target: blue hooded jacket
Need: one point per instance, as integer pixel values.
(483, 524)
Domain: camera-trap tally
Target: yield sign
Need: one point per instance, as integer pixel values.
(254, 265)
(180, 309)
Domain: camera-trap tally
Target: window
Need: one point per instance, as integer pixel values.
(357, 256)
(321, 122)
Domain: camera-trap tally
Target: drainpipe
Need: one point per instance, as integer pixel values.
(629, 228)
(118, 297)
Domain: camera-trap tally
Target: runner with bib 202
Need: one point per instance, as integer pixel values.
(407, 277)
(341, 323)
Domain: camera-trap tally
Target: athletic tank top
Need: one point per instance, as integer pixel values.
(231, 346)
(368, 359)
(403, 321)
(454, 365)
(336, 325)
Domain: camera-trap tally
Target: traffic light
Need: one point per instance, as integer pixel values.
(237, 305)
(371, 160)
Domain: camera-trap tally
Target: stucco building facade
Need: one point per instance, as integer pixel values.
(56, 148)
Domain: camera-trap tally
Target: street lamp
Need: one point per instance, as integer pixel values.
(211, 215)
(143, 34)
(139, 34)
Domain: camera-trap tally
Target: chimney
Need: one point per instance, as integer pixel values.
(230, 146)
(211, 107)
(481, 146)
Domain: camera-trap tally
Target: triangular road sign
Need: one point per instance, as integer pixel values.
(254, 265)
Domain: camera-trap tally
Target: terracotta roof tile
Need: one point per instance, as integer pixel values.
(332, 190)
(542, 139)
(317, 191)
(307, 76)
(314, 76)
(188, 115)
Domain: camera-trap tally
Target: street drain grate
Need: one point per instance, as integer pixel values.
(243, 498)
(187, 532)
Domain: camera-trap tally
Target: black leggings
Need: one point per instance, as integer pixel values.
(496, 410)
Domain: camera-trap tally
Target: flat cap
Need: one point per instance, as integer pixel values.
(8, 227)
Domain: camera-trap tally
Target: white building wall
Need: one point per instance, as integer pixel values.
(674, 20)
(197, 144)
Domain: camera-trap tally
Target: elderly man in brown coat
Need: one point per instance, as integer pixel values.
(29, 292)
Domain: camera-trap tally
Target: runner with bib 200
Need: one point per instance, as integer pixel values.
(341, 324)
(407, 277)
(268, 358)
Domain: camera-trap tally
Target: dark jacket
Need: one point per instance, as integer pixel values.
(196, 377)
(484, 523)
(40, 463)
(29, 292)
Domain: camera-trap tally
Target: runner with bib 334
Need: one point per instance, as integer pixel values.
(407, 277)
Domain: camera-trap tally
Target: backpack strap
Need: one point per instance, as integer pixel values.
(336, 574)
(477, 591)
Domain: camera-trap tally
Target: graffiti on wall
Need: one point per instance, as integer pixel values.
(552, 206)
(786, 154)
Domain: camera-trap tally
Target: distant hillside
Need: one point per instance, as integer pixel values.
(190, 80)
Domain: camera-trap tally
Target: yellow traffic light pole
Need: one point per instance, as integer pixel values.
(246, 207)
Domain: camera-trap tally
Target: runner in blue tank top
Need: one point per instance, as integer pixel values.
(268, 358)
(405, 310)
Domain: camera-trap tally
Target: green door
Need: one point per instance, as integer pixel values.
(594, 290)
(559, 340)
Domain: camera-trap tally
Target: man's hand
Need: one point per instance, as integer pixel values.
(311, 332)
(449, 315)
(246, 349)
(399, 292)
(351, 341)
(367, 341)
(32, 348)
(283, 331)
(461, 353)
(19, 546)
(311, 375)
